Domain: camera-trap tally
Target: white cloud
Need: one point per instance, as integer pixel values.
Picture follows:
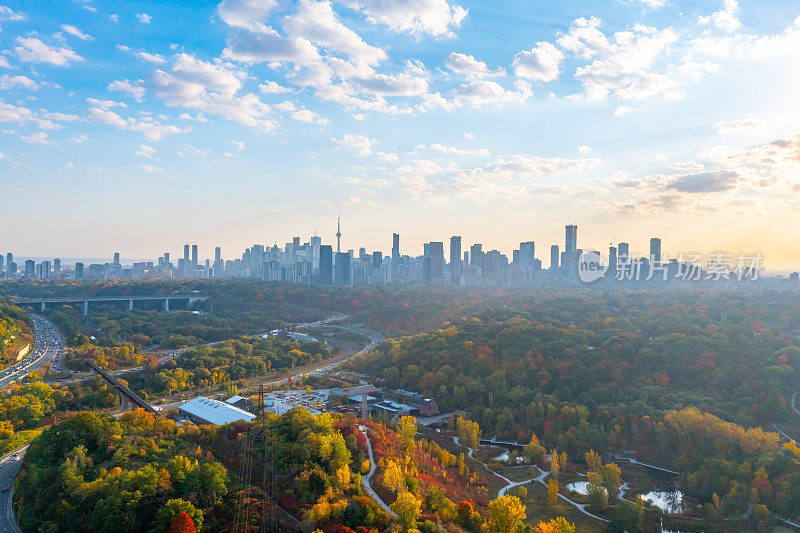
(264, 44)
(725, 19)
(745, 125)
(529, 166)
(9, 82)
(271, 87)
(134, 89)
(33, 50)
(23, 115)
(245, 13)
(389, 157)
(150, 169)
(146, 125)
(105, 104)
(482, 92)
(306, 115)
(38, 137)
(433, 17)
(6, 13)
(359, 143)
(623, 110)
(540, 63)
(114, 17)
(468, 135)
(356, 201)
(144, 18)
(72, 30)
(471, 67)
(151, 58)
(316, 22)
(652, 4)
(79, 139)
(239, 145)
(146, 151)
(584, 149)
(436, 147)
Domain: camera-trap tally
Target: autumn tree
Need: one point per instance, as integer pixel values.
(593, 461)
(505, 514)
(469, 433)
(182, 524)
(552, 493)
(408, 508)
(556, 525)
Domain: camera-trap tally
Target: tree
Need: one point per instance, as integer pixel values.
(612, 477)
(533, 450)
(556, 525)
(182, 524)
(469, 433)
(174, 508)
(593, 461)
(505, 513)
(627, 516)
(552, 493)
(407, 429)
(393, 477)
(554, 466)
(408, 509)
(597, 494)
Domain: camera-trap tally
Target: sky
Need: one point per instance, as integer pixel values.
(138, 126)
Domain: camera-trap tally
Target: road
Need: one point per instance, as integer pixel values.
(366, 478)
(49, 345)
(794, 397)
(9, 466)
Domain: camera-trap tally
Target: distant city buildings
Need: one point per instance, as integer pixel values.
(315, 263)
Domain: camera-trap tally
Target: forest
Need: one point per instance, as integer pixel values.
(15, 332)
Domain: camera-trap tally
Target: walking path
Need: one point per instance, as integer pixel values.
(366, 478)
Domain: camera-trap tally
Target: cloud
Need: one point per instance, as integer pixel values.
(151, 58)
(530, 166)
(38, 137)
(271, 87)
(264, 44)
(316, 22)
(725, 19)
(8, 82)
(79, 139)
(745, 125)
(389, 157)
(620, 66)
(458, 151)
(33, 50)
(245, 13)
(359, 143)
(468, 135)
(72, 30)
(6, 13)
(146, 151)
(144, 18)
(150, 169)
(151, 128)
(470, 67)
(239, 145)
(126, 86)
(419, 17)
(584, 149)
(623, 110)
(540, 63)
(483, 92)
(306, 115)
(705, 182)
(23, 115)
(358, 201)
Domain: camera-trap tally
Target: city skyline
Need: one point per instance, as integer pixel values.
(493, 120)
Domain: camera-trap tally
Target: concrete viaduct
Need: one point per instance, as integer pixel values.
(42, 302)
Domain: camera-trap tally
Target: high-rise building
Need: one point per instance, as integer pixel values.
(476, 255)
(342, 272)
(1, 263)
(186, 252)
(571, 239)
(395, 249)
(325, 264)
(217, 254)
(11, 270)
(554, 254)
(166, 258)
(655, 251)
(30, 269)
(455, 260)
(116, 258)
(316, 242)
(194, 257)
(9, 259)
(435, 251)
(56, 266)
(527, 254)
(78, 270)
(623, 254)
(377, 260)
(611, 273)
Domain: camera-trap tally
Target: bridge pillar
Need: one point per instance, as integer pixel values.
(124, 402)
(166, 305)
(130, 304)
(42, 307)
(86, 308)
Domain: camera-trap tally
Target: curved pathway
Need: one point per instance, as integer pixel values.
(366, 478)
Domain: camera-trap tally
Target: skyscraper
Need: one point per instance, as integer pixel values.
(571, 239)
(56, 266)
(455, 260)
(554, 254)
(78, 270)
(30, 269)
(116, 258)
(527, 254)
(194, 256)
(622, 252)
(395, 249)
(377, 260)
(217, 254)
(9, 260)
(186, 252)
(1, 263)
(476, 255)
(325, 264)
(612, 263)
(342, 272)
(435, 251)
(655, 251)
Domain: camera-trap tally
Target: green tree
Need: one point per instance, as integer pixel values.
(408, 509)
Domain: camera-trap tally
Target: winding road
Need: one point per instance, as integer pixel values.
(366, 478)
(48, 345)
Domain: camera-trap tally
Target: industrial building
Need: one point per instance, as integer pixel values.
(202, 410)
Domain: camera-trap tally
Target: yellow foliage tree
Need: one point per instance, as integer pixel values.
(505, 514)
(556, 525)
(408, 508)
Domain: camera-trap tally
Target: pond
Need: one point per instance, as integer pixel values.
(669, 501)
(581, 487)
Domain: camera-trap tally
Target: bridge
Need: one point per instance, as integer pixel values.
(126, 395)
(43, 302)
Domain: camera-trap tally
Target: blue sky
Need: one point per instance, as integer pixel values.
(137, 126)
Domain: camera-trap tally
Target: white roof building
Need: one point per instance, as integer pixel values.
(212, 411)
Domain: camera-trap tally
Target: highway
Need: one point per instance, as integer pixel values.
(9, 466)
(49, 345)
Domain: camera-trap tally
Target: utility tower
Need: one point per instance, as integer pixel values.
(339, 234)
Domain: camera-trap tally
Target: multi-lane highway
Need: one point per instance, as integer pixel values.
(49, 345)
(9, 466)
